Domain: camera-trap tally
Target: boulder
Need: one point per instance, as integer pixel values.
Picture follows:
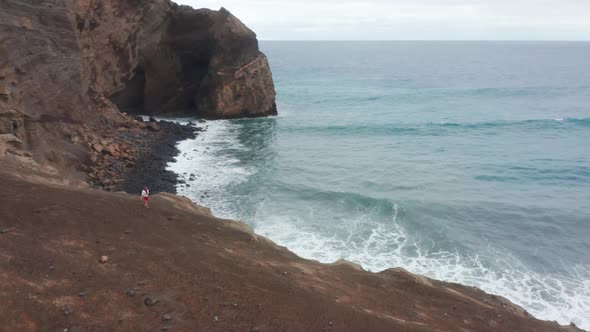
(153, 126)
(97, 147)
(112, 150)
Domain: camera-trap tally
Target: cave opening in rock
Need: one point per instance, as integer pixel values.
(130, 98)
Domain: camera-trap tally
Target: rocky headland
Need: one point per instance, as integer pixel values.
(79, 254)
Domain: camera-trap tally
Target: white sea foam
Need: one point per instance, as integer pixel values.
(206, 171)
(385, 245)
(547, 297)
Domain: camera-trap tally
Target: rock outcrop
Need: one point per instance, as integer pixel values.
(70, 69)
(169, 59)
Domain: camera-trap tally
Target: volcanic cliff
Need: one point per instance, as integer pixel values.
(72, 258)
(70, 68)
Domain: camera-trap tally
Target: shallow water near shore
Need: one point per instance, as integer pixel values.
(462, 161)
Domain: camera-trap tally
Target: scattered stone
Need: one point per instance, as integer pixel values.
(130, 292)
(81, 294)
(218, 228)
(285, 273)
(330, 323)
(3, 231)
(112, 150)
(150, 301)
(235, 305)
(52, 268)
(103, 259)
(127, 232)
(254, 329)
(68, 311)
(166, 317)
(216, 319)
(97, 147)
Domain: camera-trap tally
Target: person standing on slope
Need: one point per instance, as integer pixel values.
(145, 195)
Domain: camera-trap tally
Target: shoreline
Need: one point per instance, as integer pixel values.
(161, 148)
(134, 158)
(174, 266)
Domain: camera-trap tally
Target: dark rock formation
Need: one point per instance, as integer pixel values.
(169, 59)
(69, 67)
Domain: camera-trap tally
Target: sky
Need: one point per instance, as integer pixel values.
(410, 19)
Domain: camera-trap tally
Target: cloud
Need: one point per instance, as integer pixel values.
(411, 20)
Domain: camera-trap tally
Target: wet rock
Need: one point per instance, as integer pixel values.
(153, 126)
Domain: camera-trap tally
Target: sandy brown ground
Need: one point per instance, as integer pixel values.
(206, 273)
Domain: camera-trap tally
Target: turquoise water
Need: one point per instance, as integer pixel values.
(462, 161)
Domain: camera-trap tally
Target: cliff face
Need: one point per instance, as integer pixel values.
(68, 67)
(160, 58)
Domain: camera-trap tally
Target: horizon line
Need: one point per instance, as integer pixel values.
(429, 40)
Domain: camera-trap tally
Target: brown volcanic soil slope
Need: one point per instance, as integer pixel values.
(199, 268)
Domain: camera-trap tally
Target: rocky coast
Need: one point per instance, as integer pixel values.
(134, 158)
(77, 253)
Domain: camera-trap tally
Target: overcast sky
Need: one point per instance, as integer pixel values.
(410, 19)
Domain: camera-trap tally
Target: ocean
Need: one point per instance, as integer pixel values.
(467, 162)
